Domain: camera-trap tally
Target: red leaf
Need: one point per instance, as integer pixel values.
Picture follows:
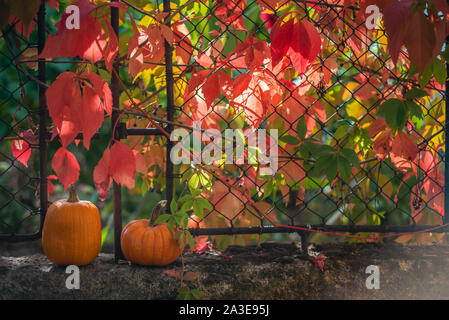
(172, 273)
(72, 112)
(211, 89)
(318, 261)
(225, 82)
(50, 186)
(280, 40)
(190, 276)
(102, 179)
(300, 41)
(204, 61)
(377, 126)
(241, 83)
(395, 21)
(184, 46)
(66, 167)
(122, 164)
(87, 42)
(141, 164)
(63, 99)
(420, 41)
(21, 150)
(112, 48)
(195, 81)
(102, 89)
(91, 114)
(382, 144)
(404, 146)
(56, 100)
(305, 45)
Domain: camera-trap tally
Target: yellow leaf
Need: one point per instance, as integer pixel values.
(355, 109)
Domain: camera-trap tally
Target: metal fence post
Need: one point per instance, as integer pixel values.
(117, 189)
(42, 119)
(170, 109)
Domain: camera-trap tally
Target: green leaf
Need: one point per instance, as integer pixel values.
(182, 293)
(415, 93)
(206, 180)
(331, 168)
(196, 294)
(268, 189)
(439, 71)
(195, 192)
(185, 198)
(162, 218)
(344, 168)
(351, 156)
(322, 163)
(301, 128)
(395, 113)
(194, 181)
(187, 175)
(191, 240)
(425, 77)
(414, 109)
(197, 210)
(204, 203)
(185, 221)
(187, 205)
(290, 140)
(171, 224)
(174, 205)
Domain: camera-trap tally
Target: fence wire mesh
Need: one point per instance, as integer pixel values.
(19, 149)
(333, 104)
(344, 92)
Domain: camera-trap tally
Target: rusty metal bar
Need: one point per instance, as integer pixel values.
(144, 132)
(117, 189)
(331, 228)
(169, 184)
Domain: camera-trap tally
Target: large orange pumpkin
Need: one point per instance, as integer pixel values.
(149, 245)
(72, 231)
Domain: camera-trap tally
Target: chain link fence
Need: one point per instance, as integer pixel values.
(378, 195)
(21, 205)
(334, 103)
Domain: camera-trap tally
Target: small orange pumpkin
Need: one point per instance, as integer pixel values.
(72, 231)
(149, 245)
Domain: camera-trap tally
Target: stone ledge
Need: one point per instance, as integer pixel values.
(273, 271)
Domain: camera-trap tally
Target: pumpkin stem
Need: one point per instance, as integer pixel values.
(157, 211)
(72, 195)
